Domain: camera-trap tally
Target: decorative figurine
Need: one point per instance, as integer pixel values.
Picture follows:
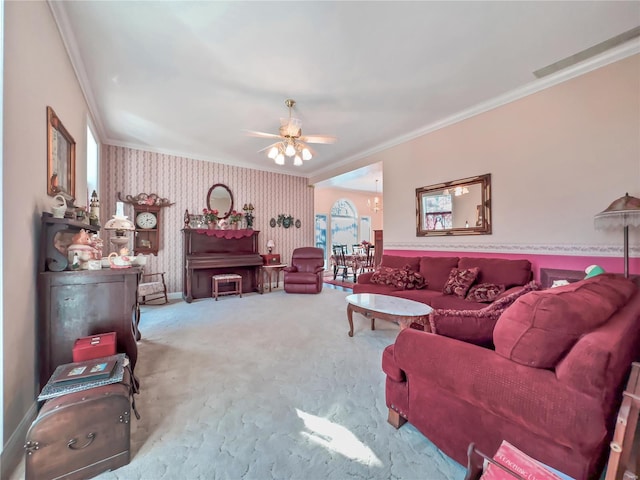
(94, 211)
(248, 214)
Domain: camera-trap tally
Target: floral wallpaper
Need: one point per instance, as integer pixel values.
(185, 182)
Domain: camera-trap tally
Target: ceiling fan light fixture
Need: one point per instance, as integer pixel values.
(290, 151)
(273, 153)
(297, 161)
(306, 154)
(279, 159)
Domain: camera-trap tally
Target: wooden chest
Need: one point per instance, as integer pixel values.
(80, 435)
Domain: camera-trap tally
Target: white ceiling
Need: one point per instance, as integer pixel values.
(187, 78)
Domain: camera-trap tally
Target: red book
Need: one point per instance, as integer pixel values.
(518, 465)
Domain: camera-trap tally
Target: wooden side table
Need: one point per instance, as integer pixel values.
(268, 271)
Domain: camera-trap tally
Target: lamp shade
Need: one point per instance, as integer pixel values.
(119, 223)
(270, 244)
(623, 212)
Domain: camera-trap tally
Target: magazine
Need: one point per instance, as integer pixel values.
(518, 465)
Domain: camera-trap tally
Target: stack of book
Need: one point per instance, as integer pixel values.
(78, 376)
(510, 463)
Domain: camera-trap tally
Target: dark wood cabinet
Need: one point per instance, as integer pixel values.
(76, 304)
(271, 258)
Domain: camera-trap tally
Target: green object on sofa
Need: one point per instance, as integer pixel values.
(593, 270)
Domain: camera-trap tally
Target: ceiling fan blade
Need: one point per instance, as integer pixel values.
(269, 147)
(318, 139)
(253, 133)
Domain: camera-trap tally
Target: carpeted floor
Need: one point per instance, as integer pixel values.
(269, 387)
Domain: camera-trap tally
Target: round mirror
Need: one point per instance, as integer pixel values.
(220, 198)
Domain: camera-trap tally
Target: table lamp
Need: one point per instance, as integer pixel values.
(623, 212)
(270, 245)
(120, 224)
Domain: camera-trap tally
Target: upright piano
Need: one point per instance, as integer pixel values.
(212, 252)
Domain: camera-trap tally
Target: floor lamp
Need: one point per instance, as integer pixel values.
(623, 212)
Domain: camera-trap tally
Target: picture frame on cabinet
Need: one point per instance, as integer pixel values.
(61, 158)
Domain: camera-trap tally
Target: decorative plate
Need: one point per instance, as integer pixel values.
(272, 222)
(298, 223)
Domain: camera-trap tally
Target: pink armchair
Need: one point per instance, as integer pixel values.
(305, 273)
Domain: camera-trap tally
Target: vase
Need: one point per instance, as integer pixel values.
(234, 226)
(212, 226)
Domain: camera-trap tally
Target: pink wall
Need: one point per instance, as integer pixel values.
(556, 158)
(186, 182)
(562, 262)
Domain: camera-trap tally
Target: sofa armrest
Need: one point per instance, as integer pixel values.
(531, 396)
(318, 270)
(290, 269)
(365, 277)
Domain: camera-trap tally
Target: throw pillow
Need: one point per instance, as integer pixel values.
(383, 275)
(460, 280)
(475, 326)
(411, 280)
(541, 327)
(401, 278)
(484, 292)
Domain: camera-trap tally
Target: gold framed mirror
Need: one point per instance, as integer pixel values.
(459, 207)
(219, 197)
(61, 158)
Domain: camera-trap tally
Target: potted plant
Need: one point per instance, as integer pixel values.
(235, 218)
(211, 217)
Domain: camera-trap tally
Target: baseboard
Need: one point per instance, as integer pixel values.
(13, 450)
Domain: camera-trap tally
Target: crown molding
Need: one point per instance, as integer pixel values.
(523, 248)
(620, 52)
(73, 52)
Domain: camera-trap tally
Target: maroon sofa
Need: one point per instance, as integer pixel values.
(552, 386)
(513, 274)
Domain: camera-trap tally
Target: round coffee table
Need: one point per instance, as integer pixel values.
(386, 307)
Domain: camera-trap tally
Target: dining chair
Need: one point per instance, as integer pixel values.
(341, 266)
(368, 264)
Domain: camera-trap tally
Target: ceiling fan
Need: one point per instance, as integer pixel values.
(291, 142)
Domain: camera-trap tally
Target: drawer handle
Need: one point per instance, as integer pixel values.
(72, 443)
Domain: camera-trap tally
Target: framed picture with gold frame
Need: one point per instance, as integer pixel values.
(61, 158)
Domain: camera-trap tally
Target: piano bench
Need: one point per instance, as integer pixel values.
(233, 278)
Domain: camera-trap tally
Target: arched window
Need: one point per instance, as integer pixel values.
(344, 223)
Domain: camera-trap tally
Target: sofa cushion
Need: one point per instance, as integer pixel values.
(396, 261)
(500, 271)
(460, 280)
(435, 270)
(539, 328)
(484, 292)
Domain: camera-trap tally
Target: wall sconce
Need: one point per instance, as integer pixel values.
(270, 245)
